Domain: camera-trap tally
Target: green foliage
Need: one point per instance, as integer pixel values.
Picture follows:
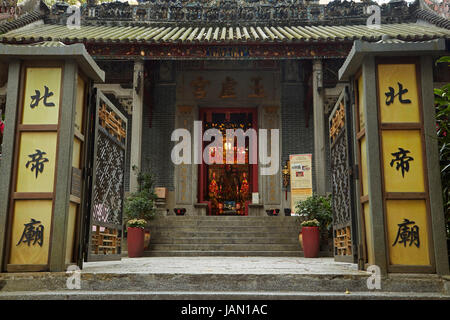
(442, 103)
(318, 208)
(443, 59)
(141, 204)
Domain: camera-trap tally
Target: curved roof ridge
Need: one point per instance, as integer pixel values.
(22, 21)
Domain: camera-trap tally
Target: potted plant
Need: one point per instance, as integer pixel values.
(311, 238)
(179, 211)
(135, 236)
(319, 208)
(273, 212)
(140, 205)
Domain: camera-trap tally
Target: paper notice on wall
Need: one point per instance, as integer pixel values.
(301, 171)
(300, 166)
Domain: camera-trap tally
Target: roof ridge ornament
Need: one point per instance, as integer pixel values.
(296, 12)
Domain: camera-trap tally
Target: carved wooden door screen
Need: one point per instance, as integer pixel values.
(104, 232)
(342, 180)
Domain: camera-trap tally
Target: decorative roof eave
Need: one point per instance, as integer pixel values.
(214, 35)
(55, 49)
(387, 47)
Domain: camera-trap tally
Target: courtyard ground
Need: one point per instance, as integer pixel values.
(232, 278)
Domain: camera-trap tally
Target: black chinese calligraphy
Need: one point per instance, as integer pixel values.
(37, 162)
(408, 232)
(36, 99)
(390, 96)
(402, 160)
(32, 233)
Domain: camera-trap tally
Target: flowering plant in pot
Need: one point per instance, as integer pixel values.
(135, 236)
(318, 208)
(139, 209)
(311, 238)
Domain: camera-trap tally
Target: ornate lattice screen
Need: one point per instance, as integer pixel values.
(108, 182)
(342, 181)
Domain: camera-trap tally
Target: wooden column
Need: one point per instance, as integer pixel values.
(319, 155)
(137, 122)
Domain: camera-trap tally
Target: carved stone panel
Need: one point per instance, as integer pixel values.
(183, 172)
(271, 184)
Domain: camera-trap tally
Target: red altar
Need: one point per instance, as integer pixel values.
(227, 187)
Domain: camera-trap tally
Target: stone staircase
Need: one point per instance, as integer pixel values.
(224, 236)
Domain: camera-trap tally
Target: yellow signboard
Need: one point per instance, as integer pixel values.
(403, 165)
(407, 232)
(36, 167)
(398, 95)
(80, 104)
(368, 232)
(402, 161)
(70, 235)
(37, 161)
(41, 96)
(31, 232)
(364, 178)
(362, 121)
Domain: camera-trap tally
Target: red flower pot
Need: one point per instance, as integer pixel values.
(135, 242)
(311, 241)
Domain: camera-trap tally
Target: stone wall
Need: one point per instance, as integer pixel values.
(156, 131)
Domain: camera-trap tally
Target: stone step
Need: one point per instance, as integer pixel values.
(214, 295)
(204, 253)
(268, 229)
(223, 218)
(224, 247)
(224, 240)
(244, 281)
(230, 223)
(221, 234)
(174, 236)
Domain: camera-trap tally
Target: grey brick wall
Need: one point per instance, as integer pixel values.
(156, 144)
(296, 137)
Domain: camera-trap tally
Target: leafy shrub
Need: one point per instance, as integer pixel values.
(442, 103)
(141, 204)
(316, 207)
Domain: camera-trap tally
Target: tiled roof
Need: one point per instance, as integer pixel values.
(21, 21)
(432, 17)
(215, 34)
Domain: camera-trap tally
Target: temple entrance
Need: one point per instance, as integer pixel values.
(227, 187)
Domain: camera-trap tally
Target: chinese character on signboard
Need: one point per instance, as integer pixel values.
(37, 162)
(36, 99)
(402, 160)
(32, 233)
(390, 96)
(407, 232)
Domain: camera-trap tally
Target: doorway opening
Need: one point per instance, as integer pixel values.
(227, 188)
